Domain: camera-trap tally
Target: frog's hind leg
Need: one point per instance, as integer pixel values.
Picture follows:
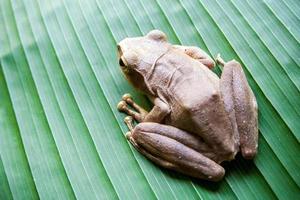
(241, 105)
(138, 114)
(173, 149)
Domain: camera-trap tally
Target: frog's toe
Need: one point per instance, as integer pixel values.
(128, 135)
(128, 119)
(129, 122)
(127, 97)
(122, 106)
(248, 153)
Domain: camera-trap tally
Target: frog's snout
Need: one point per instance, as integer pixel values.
(120, 53)
(119, 48)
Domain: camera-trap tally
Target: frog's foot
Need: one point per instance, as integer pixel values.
(174, 149)
(122, 106)
(241, 105)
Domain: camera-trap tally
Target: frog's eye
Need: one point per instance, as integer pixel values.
(157, 35)
(121, 62)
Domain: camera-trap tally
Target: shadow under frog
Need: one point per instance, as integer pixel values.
(198, 119)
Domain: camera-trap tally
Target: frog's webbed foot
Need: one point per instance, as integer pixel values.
(241, 105)
(138, 114)
(174, 149)
(198, 54)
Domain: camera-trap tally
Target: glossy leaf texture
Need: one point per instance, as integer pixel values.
(61, 136)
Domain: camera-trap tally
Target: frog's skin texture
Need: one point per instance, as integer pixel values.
(198, 120)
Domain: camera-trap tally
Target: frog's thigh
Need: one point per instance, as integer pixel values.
(198, 54)
(241, 104)
(153, 140)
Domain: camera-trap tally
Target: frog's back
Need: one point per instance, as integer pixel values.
(197, 106)
(190, 83)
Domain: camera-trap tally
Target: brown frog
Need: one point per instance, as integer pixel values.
(198, 120)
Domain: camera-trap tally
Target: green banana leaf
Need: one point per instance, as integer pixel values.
(61, 136)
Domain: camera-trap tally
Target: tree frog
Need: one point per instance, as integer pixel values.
(198, 119)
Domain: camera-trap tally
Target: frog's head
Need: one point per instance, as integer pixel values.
(137, 55)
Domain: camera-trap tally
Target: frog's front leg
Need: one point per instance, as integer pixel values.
(170, 147)
(138, 114)
(241, 105)
(159, 111)
(198, 54)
